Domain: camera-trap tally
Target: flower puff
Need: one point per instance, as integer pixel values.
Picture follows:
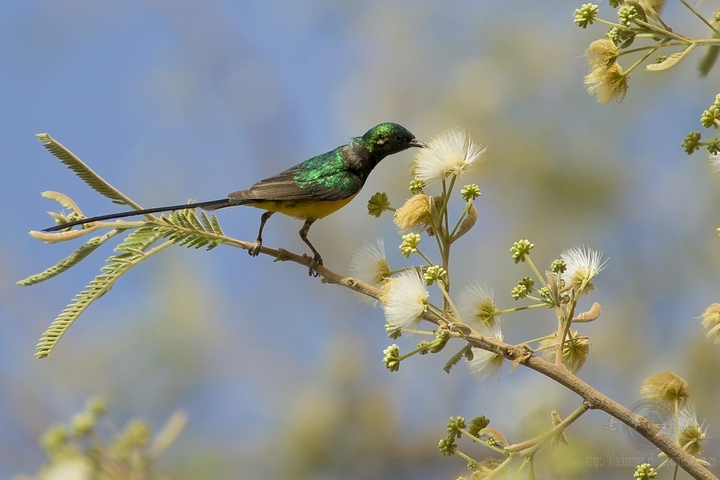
(583, 264)
(369, 264)
(405, 299)
(450, 153)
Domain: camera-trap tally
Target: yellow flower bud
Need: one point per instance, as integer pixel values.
(667, 388)
(710, 320)
(414, 214)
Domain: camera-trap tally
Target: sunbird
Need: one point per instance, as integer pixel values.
(308, 191)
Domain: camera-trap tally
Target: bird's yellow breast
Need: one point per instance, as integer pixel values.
(303, 209)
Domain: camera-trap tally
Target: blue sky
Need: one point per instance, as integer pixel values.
(176, 100)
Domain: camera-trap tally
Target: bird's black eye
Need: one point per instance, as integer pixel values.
(398, 138)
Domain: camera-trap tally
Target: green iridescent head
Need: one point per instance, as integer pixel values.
(388, 138)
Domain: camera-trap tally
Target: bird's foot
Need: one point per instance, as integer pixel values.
(316, 261)
(254, 251)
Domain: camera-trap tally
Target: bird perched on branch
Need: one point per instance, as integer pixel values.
(308, 191)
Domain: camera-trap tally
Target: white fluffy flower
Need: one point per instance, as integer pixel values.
(583, 264)
(370, 264)
(450, 153)
(486, 366)
(405, 299)
(477, 308)
(691, 433)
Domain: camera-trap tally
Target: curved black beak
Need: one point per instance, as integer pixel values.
(415, 143)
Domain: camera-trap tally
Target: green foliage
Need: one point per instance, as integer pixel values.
(188, 230)
(378, 203)
(465, 352)
(477, 424)
(66, 263)
(134, 249)
(85, 173)
(183, 228)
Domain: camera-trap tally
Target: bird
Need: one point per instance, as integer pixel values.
(309, 191)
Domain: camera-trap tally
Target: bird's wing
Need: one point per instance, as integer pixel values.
(299, 183)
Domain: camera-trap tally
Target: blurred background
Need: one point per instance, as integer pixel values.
(281, 375)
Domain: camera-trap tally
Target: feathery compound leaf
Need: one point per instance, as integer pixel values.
(56, 237)
(455, 359)
(214, 223)
(62, 199)
(186, 229)
(70, 261)
(134, 249)
(85, 173)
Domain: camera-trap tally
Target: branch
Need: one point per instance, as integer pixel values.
(592, 397)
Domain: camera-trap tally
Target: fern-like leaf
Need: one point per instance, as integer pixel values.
(135, 248)
(85, 173)
(63, 200)
(57, 237)
(186, 229)
(72, 260)
(455, 359)
(213, 223)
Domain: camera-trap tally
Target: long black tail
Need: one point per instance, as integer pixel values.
(210, 205)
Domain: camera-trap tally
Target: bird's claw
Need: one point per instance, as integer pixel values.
(254, 250)
(316, 261)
